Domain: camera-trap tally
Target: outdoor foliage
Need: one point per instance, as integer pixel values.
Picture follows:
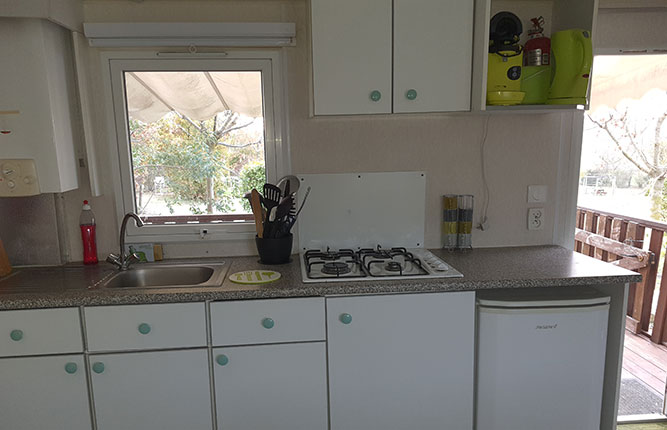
(205, 165)
(636, 138)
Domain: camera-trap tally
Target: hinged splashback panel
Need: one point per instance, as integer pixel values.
(352, 210)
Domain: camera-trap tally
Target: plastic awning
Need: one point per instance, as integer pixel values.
(197, 95)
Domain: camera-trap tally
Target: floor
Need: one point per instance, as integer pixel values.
(643, 378)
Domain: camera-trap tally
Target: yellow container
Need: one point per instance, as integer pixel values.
(535, 83)
(504, 78)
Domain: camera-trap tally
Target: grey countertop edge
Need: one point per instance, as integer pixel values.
(173, 295)
(484, 268)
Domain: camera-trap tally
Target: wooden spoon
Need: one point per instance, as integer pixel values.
(256, 205)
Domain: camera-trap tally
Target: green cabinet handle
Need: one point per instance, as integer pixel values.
(268, 323)
(376, 95)
(222, 359)
(16, 335)
(345, 318)
(98, 367)
(144, 328)
(411, 94)
(71, 368)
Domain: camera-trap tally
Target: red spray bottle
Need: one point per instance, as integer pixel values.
(87, 224)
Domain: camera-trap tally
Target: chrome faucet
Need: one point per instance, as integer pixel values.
(121, 260)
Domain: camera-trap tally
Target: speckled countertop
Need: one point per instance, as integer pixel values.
(517, 267)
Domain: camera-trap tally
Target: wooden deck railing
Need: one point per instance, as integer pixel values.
(619, 239)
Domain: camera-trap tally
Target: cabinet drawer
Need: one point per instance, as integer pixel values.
(174, 325)
(267, 321)
(42, 331)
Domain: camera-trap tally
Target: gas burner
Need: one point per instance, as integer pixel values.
(393, 266)
(336, 268)
(368, 263)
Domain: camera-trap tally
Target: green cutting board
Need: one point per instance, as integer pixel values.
(254, 277)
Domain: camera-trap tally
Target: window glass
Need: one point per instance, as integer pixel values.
(196, 142)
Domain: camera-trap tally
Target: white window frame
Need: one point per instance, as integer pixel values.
(276, 146)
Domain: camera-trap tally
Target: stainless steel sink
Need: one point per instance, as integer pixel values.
(168, 276)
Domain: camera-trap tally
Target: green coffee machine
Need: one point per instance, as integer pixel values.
(571, 61)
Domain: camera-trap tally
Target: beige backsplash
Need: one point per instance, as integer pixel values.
(522, 149)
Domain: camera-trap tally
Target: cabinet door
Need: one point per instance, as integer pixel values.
(44, 393)
(401, 361)
(432, 55)
(271, 387)
(351, 56)
(165, 390)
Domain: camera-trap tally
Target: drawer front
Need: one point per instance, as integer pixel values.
(117, 328)
(267, 321)
(40, 331)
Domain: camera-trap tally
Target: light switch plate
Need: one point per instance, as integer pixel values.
(537, 193)
(18, 178)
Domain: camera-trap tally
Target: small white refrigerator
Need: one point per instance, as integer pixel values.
(541, 358)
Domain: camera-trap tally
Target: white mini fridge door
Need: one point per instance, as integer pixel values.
(540, 369)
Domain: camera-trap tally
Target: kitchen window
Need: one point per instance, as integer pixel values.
(192, 136)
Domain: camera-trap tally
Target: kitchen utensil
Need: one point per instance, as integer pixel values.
(254, 277)
(303, 202)
(271, 196)
(505, 60)
(269, 224)
(286, 204)
(504, 98)
(505, 29)
(5, 267)
(288, 184)
(256, 206)
(535, 84)
(572, 53)
(274, 250)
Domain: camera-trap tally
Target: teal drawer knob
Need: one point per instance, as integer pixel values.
(411, 94)
(376, 95)
(144, 328)
(98, 367)
(345, 318)
(222, 359)
(16, 335)
(268, 323)
(71, 368)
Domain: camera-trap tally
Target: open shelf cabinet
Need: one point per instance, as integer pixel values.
(558, 15)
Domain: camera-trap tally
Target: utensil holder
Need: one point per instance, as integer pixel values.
(274, 250)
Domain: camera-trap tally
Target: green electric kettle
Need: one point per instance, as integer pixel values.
(572, 58)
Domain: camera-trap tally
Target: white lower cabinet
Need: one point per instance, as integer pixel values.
(44, 393)
(401, 362)
(163, 390)
(271, 387)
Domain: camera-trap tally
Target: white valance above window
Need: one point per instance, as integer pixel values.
(152, 34)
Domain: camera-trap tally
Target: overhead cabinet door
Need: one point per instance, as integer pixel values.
(351, 56)
(432, 55)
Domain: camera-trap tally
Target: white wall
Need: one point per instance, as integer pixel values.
(521, 149)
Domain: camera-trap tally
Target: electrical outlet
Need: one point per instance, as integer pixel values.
(535, 218)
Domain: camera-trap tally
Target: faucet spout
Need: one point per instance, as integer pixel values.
(121, 260)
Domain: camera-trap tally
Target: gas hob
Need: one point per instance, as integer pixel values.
(373, 263)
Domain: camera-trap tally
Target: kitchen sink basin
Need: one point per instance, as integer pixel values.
(166, 276)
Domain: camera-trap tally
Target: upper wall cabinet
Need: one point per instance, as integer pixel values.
(38, 105)
(68, 13)
(379, 56)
